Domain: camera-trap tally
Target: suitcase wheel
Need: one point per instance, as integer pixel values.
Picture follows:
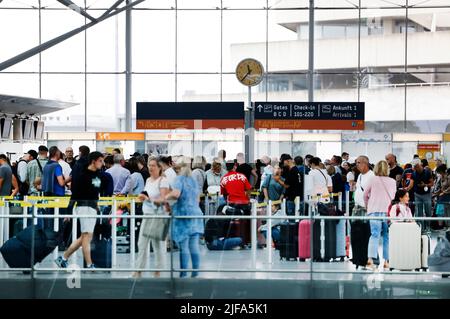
(425, 268)
(391, 269)
(418, 269)
(301, 259)
(445, 276)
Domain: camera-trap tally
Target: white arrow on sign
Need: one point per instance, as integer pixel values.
(259, 107)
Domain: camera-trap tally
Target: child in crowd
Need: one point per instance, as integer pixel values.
(400, 207)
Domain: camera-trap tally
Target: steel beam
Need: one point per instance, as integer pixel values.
(44, 46)
(76, 8)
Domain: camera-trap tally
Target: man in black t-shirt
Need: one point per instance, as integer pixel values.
(423, 182)
(85, 196)
(293, 183)
(395, 171)
(246, 169)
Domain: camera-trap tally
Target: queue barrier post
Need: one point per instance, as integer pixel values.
(25, 212)
(132, 233)
(254, 234)
(114, 234)
(269, 232)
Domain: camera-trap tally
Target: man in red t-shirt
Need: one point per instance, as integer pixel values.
(235, 186)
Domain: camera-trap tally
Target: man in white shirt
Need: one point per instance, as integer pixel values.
(364, 179)
(322, 182)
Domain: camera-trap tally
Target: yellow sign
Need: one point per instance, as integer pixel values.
(446, 137)
(430, 152)
(120, 136)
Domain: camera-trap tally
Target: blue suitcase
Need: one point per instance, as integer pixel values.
(16, 254)
(101, 250)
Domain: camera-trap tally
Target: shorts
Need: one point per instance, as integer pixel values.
(87, 225)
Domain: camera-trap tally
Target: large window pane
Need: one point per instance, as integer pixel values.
(428, 39)
(26, 85)
(382, 40)
(205, 87)
(384, 102)
(153, 41)
(198, 4)
(242, 39)
(286, 51)
(20, 32)
(68, 88)
(335, 31)
(106, 45)
(428, 97)
(198, 41)
(105, 106)
(153, 88)
(67, 56)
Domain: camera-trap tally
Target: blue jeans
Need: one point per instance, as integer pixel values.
(423, 208)
(275, 234)
(290, 208)
(190, 246)
(225, 244)
(378, 227)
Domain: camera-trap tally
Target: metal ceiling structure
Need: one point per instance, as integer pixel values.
(112, 11)
(17, 105)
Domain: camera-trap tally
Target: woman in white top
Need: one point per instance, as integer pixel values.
(401, 208)
(156, 187)
(169, 173)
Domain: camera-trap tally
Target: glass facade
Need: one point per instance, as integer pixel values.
(384, 53)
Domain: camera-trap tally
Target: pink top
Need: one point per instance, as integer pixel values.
(379, 194)
(402, 210)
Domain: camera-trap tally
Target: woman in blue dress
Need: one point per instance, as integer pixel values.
(186, 232)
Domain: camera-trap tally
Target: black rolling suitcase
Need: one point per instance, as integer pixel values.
(288, 244)
(359, 238)
(329, 234)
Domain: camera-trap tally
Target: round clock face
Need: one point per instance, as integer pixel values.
(250, 72)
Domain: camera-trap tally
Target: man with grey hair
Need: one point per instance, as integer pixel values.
(118, 173)
(423, 182)
(364, 179)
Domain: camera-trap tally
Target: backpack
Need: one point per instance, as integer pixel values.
(397, 212)
(23, 186)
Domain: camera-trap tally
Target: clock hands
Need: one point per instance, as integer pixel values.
(248, 72)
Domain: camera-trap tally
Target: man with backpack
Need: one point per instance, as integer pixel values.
(35, 169)
(20, 172)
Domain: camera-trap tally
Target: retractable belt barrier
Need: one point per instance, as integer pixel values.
(57, 203)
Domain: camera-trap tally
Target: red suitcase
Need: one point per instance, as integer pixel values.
(304, 239)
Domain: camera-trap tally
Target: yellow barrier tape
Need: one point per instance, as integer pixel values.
(53, 205)
(48, 197)
(21, 203)
(6, 197)
(275, 202)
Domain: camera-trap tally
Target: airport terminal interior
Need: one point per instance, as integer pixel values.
(214, 115)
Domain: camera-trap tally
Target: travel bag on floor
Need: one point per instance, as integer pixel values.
(405, 246)
(304, 239)
(288, 244)
(359, 241)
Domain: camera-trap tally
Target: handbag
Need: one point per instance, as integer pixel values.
(157, 228)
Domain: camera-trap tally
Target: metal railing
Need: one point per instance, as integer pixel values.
(56, 204)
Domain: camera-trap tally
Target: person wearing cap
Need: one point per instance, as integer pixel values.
(293, 182)
(35, 169)
(136, 154)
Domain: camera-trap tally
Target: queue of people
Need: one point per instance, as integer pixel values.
(174, 185)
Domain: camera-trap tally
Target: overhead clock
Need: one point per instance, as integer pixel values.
(250, 72)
